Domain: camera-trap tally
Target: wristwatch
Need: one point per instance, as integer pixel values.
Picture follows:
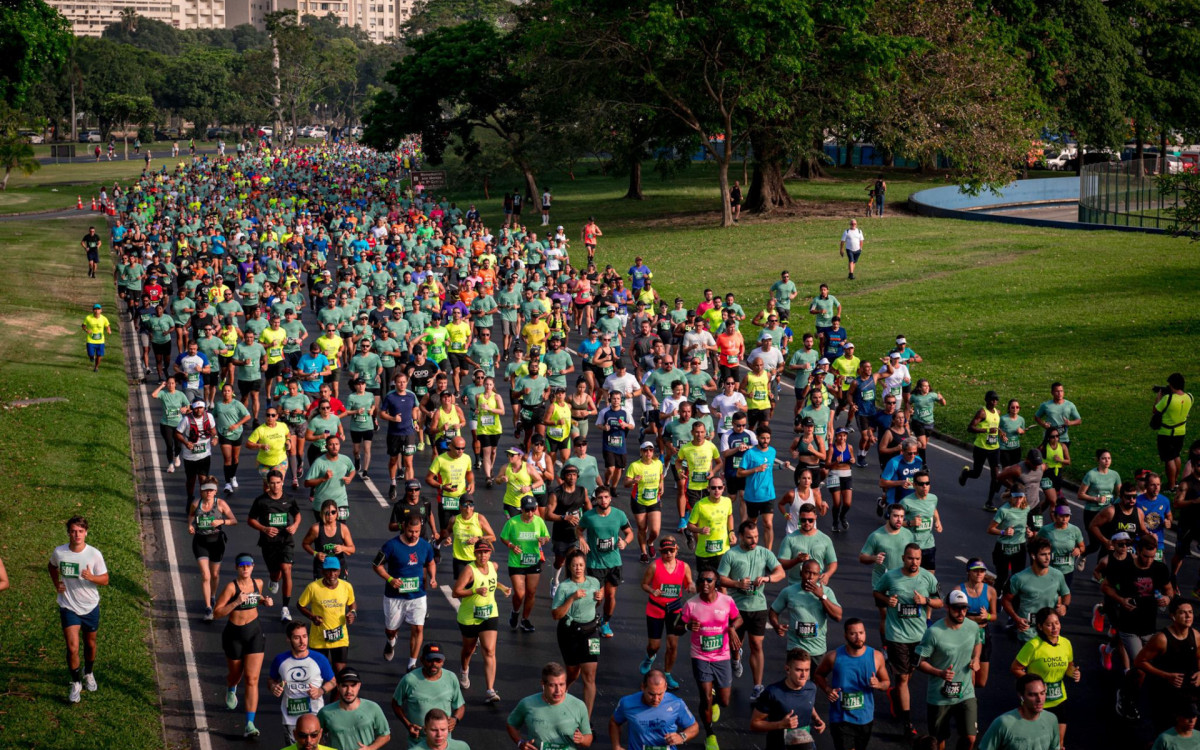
(824, 596)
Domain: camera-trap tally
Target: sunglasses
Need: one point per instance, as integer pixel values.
(808, 520)
(921, 484)
(708, 580)
(307, 734)
(668, 550)
(716, 488)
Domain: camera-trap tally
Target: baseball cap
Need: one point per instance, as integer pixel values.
(822, 361)
(348, 674)
(646, 445)
(97, 306)
(901, 340)
(840, 430)
(894, 355)
(198, 404)
(331, 563)
(1120, 536)
(529, 502)
(434, 651)
(515, 451)
(570, 469)
(807, 422)
(1034, 456)
(412, 484)
(483, 544)
(976, 564)
(958, 599)
(764, 336)
(1062, 510)
(848, 345)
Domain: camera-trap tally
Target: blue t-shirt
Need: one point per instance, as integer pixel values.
(309, 365)
(778, 700)
(406, 562)
(897, 469)
(287, 668)
(587, 348)
(837, 340)
(614, 439)
(760, 487)
(638, 276)
(648, 726)
(1155, 511)
(400, 405)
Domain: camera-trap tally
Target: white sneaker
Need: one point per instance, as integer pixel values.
(177, 461)
(464, 680)
(76, 692)
(737, 668)
(228, 488)
(285, 615)
(234, 483)
(89, 682)
(273, 588)
(171, 468)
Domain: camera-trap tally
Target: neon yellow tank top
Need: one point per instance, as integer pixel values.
(989, 440)
(759, 387)
(474, 609)
(462, 530)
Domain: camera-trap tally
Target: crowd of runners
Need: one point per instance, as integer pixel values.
(572, 443)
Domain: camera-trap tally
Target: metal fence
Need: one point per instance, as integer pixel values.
(1125, 193)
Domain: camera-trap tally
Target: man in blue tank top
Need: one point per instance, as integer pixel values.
(849, 678)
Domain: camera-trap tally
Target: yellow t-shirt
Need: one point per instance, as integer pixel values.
(648, 479)
(453, 472)
(331, 605)
(276, 438)
(699, 460)
(96, 325)
(273, 340)
(330, 346)
(457, 335)
(535, 333)
(716, 517)
(847, 368)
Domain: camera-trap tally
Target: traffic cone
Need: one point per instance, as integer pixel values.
(79, 202)
(94, 203)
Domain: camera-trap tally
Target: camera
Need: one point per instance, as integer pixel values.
(1161, 390)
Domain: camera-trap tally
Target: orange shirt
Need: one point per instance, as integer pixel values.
(730, 346)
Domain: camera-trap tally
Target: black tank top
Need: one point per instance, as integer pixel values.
(1180, 657)
(568, 502)
(1123, 521)
(251, 600)
(325, 543)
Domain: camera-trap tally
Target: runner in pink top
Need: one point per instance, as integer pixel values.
(713, 619)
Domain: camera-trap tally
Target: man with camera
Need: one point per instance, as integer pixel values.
(1169, 421)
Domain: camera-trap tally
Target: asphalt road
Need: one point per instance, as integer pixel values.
(192, 674)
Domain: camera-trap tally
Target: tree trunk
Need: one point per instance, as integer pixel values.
(808, 167)
(4, 184)
(849, 162)
(723, 178)
(531, 187)
(767, 191)
(1139, 152)
(634, 193)
(889, 158)
(1162, 154)
(74, 122)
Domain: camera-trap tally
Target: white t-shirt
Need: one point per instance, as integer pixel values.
(726, 406)
(200, 432)
(771, 360)
(853, 239)
(80, 596)
(546, 199)
(896, 380)
(701, 338)
(623, 384)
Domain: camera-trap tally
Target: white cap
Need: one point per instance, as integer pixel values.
(848, 345)
(822, 361)
(958, 599)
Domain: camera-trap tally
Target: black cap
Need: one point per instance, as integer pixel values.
(432, 651)
(348, 674)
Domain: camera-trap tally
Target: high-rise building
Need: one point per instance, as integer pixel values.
(90, 17)
(379, 19)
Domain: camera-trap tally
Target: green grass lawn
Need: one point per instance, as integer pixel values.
(61, 459)
(988, 306)
(56, 186)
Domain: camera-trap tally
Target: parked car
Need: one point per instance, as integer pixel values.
(1060, 161)
(32, 136)
(89, 136)
(317, 132)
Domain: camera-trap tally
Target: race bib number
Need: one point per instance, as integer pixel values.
(555, 433)
(298, 706)
(993, 436)
(1047, 483)
(410, 585)
(605, 545)
(1105, 501)
(95, 336)
(332, 635)
(833, 482)
(954, 690)
(924, 524)
(344, 513)
(1060, 560)
(593, 647)
(193, 380)
(758, 395)
(805, 629)
(276, 351)
(1010, 549)
(277, 520)
(421, 390)
(699, 476)
(1054, 691)
(671, 590)
(529, 559)
(526, 414)
(800, 736)
(487, 420)
(730, 360)
(727, 423)
(710, 643)
(616, 440)
(908, 611)
(204, 522)
(650, 495)
(484, 611)
(851, 701)
(450, 503)
(68, 569)
(714, 546)
(202, 449)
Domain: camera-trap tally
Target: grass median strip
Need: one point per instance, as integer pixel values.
(63, 458)
(56, 186)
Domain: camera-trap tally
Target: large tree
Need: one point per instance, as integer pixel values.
(34, 40)
(458, 80)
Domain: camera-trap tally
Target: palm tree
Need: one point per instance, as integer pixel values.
(129, 20)
(15, 153)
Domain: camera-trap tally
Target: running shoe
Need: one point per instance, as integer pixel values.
(962, 478)
(672, 683)
(514, 618)
(178, 460)
(738, 669)
(861, 462)
(208, 614)
(389, 650)
(1127, 709)
(295, 484)
(1098, 617)
(646, 665)
(392, 494)
(989, 507)
(171, 467)
(1081, 563)
(251, 730)
(228, 488)
(492, 697)
(1106, 652)
(464, 680)
(710, 742)
(757, 692)
(233, 481)
(881, 505)
(231, 700)
(606, 631)
(909, 732)
(553, 588)
(690, 538)
(682, 525)
(845, 525)
(716, 710)
(285, 615)
(527, 627)
(644, 559)
(273, 588)
(365, 476)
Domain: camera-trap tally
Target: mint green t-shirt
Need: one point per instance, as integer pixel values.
(739, 563)
(945, 647)
(905, 623)
(806, 618)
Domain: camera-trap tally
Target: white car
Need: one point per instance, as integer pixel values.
(317, 132)
(1060, 161)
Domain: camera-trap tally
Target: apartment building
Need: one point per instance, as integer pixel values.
(90, 17)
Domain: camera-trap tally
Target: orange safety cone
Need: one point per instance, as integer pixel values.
(79, 202)
(94, 203)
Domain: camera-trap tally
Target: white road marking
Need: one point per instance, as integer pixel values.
(449, 594)
(185, 630)
(370, 483)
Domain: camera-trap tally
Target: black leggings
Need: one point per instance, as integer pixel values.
(1007, 566)
(168, 435)
(981, 456)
